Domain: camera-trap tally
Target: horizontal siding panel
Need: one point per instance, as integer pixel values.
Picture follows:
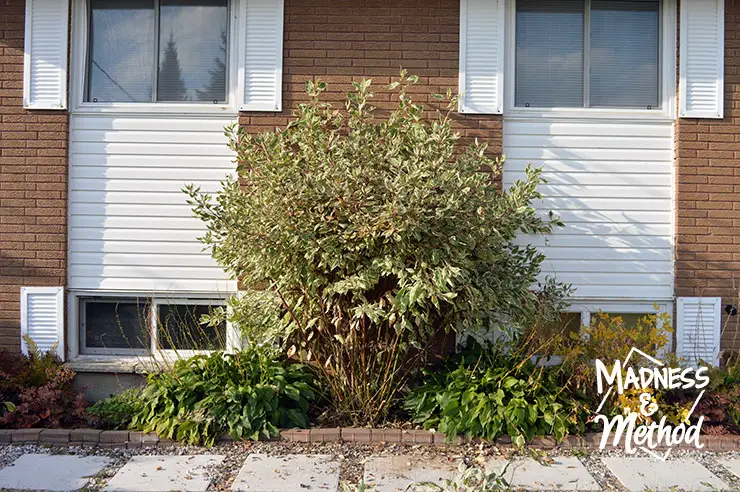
(142, 185)
(129, 210)
(159, 125)
(602, 190)
(161, 286)
(614, 216)
(600, 253)
(602, 241)
(135, 260)
(169, 197)
(534, 154)
(178, 174)
(150, 136)
(637, 292)
(580, 166)
(149, 149)
(135, 247)
(596, 179)
(132, 222)
(592, 265)
(616, 203)
(586, 129)
(130, 227)
(175, 162)
(140, 234)
(585, 142)
(615, 278)
(609, 228)
(150, 271)
(611, 183)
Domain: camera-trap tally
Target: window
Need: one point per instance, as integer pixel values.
(587, 54)
(112, 325)
(128, 326)
(179, 327)
(157, 51)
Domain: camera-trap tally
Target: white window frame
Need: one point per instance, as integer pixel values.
(667, 76)
(80, 353)
(80, 35)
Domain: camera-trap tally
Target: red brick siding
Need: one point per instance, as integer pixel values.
(340, 41)
(33, 184)
(708, 194)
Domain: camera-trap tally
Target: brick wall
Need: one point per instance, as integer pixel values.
(708, 195)
(33, 184)
(340, 41)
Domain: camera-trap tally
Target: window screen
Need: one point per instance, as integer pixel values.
(120, 324)
(192, 50)
(179, 327)
(624, 54)
(549, 53)
(601, 53)
(121, 58)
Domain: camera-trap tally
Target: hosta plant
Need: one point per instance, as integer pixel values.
(496, 395)
(359, 240)
(249, 394)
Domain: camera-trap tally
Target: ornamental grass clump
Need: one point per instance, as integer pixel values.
(359, 239)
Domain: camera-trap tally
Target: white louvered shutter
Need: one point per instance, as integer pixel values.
(45, 57)
(42, 318)
(701, 86)
(482, 56)
(263, 55)
(698, 329)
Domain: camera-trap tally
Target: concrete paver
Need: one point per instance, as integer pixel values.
(732, 464)
(290, 473)
(51, 472)
(160, 473)
(557, 473)
(395, 473)
(639, 474)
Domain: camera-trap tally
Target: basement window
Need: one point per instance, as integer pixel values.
(136, 326)
(587, 54)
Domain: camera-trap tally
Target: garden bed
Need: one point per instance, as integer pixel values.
(134, 440)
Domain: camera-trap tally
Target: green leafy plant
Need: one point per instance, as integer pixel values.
(249, 394)
(495, 395)
(116, 411)
(360, 240)
(36, 390)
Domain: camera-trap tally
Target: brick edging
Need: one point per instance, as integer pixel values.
(131, 439)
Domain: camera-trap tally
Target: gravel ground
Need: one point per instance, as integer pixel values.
(353, 456)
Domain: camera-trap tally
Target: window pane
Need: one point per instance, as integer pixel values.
(120, 325)
(192, 50)
(624, 54)
(549, 53)
(180, 328)
(121, 61)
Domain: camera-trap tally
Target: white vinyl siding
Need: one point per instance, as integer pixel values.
(611, 183)
(45, 59)
(130, 228)
(701, 90)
